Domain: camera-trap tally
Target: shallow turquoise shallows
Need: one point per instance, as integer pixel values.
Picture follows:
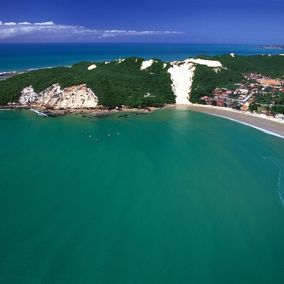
(168, 197)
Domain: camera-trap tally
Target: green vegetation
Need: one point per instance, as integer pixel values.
(272, 102)
(206, 79)
(115, 84)
(277, 109)
(272, 66)
(124, 83)
(254, 107)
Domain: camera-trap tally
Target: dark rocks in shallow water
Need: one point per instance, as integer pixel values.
(102, 115)
(53, 113)
(140, 113)
(127, 115)
(123, 115)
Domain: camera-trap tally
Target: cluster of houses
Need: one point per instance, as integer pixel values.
(246, 93)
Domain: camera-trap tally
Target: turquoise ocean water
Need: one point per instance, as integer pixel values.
(15, 57)
(176, 197)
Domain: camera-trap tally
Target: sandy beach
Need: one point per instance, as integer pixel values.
(266, 124)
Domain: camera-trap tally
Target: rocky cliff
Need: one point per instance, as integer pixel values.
(74, 97)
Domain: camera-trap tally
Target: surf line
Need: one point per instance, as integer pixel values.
(250, 125)
(39, 112)
(280, 176)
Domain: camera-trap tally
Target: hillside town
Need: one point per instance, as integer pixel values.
(258, 93)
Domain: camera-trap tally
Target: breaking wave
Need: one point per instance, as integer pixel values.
(251, 125)
(280, 179)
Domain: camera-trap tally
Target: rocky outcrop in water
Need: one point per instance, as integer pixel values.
(74, 97)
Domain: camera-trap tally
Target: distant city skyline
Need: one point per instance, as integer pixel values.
(185, 21)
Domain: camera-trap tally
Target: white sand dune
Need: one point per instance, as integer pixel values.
(120, 60)
(146, 64)
(182, 76)
(209, 63)
(92, 67)
(182, 73)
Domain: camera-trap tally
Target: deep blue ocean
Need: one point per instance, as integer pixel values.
(17, 57)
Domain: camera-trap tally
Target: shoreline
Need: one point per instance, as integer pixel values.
(271, 126)
(99, 111)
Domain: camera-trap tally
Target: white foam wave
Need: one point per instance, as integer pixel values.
(7, 73)
(38, 112)
(280, 177)
(251, 125)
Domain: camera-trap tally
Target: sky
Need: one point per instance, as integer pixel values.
(185, 21)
